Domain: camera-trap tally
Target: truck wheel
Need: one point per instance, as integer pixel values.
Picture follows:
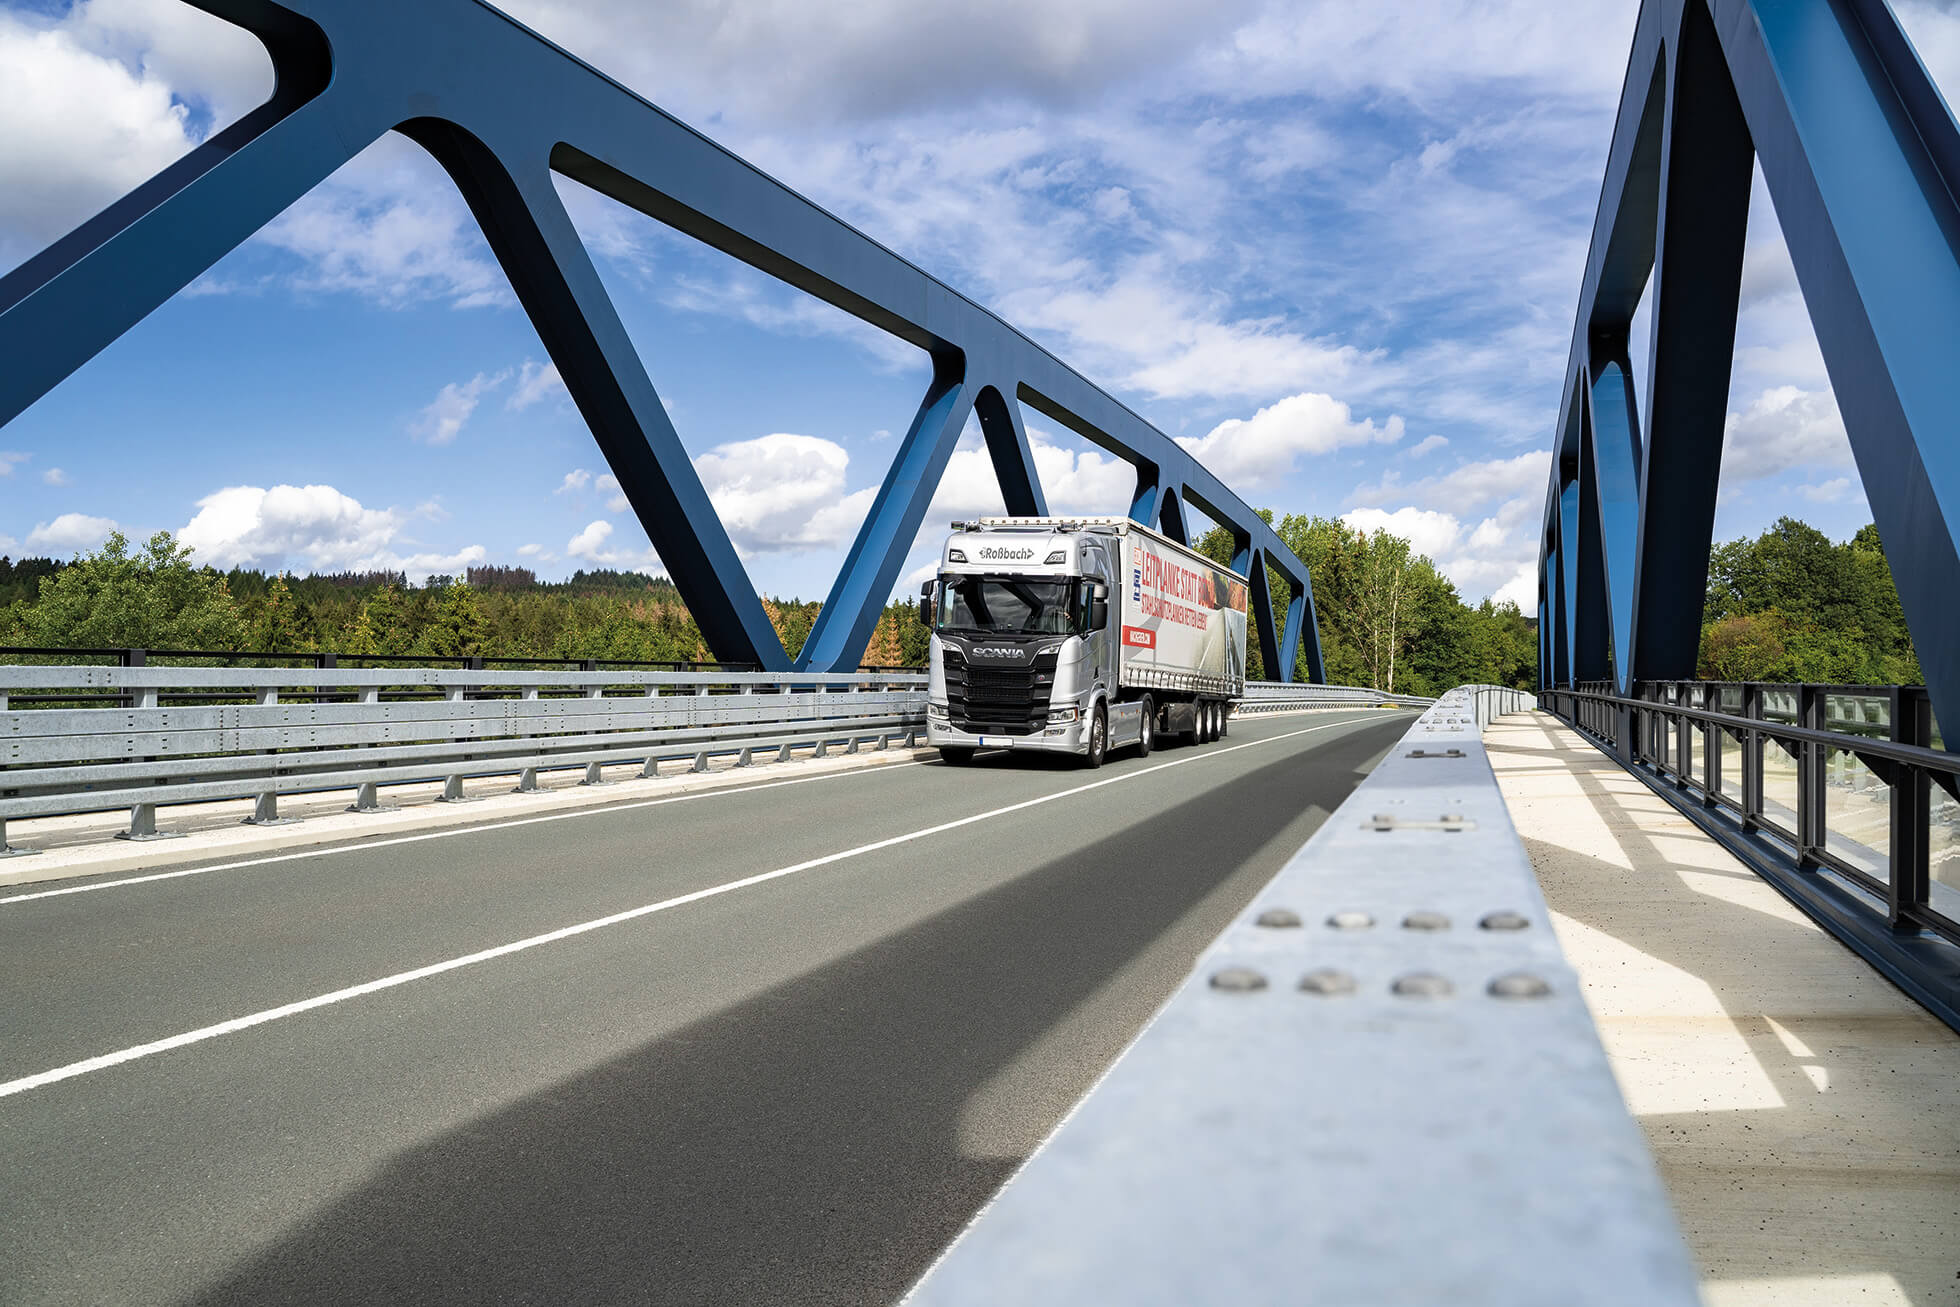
(956, 757)
(1149, 735)
(1224, 720)
(1098, 739)
(1205, 733)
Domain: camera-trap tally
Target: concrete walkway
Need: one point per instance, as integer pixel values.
(1804, 1113)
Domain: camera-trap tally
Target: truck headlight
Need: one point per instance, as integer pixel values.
(936, 711)
(1063, 714)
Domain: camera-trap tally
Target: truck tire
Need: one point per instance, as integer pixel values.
(1149, 729)
(956, 757)
(1098, 748)
(1224, 720)
(1206, 732)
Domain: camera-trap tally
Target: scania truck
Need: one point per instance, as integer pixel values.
(1078, 636)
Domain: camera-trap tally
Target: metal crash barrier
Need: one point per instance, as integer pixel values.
(1379, 1086)
(101, 738)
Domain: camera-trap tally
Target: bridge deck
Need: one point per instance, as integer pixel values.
(1804, 1113)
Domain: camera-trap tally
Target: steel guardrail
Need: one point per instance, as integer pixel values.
(1294, 696)
(1379, 1086)
(102, 738)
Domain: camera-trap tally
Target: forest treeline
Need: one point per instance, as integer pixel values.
(1790, 605)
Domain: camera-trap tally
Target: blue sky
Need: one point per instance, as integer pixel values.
(1336, 247)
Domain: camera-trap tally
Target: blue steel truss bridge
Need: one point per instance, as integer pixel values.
(712, 984)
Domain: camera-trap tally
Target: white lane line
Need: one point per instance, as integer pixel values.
(236, 1024)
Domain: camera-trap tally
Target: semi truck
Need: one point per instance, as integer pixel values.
(1078, 636)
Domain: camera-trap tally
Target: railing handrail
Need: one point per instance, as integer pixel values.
(1881, 902)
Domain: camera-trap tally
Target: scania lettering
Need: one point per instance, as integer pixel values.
(1078, 636)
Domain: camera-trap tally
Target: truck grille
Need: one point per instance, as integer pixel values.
(999, 700)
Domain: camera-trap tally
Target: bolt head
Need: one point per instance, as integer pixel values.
(1423, 984)
(1238, 980)
(1504, 921)
(1425, 920)
(1350, 920)
(1519, 984)
(1279, 918)
(1327, 982)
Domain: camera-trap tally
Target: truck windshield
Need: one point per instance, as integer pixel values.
(1006, 605)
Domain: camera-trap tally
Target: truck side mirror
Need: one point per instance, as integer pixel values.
(925, 604)
(1099, 608)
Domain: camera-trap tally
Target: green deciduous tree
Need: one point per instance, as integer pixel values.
(153, 598)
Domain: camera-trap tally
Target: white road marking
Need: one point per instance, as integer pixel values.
(106, 1060)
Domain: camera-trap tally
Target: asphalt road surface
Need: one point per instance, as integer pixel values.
(771, 1044)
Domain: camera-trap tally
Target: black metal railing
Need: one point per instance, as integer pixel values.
(1841, 795)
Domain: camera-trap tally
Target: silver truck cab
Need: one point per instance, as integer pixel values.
(1023, 654)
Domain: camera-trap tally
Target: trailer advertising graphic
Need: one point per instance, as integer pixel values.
(1182, 614)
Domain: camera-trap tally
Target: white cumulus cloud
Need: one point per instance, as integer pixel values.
(253, 526)
(1265, 445)
(54, 476)
(783, 491)
(576, 479)
(1784, 427)
(70, 533)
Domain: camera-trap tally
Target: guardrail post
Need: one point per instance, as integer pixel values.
(1811, 834)
(143, 825)
(527, 781)
(1684, 740)
(1713, 740)
(785, 753)
(452, 790)
(1912, 811)
(650, 768)
(7, 850)
(1752, 759)
(265, 811)
(367, 798)
(701, 761)
(593, 775)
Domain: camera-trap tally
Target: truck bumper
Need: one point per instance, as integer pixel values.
(1051, 739)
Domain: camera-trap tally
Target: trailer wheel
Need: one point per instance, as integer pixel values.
(1092, 757)
(1207, 731)
(1149, 729)
(956, 757)
(1224, 720)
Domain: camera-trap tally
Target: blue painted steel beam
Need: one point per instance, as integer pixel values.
(1862, 159)
(443, 73)
(1615, 448)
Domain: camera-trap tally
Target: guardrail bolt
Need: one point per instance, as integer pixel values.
(1279, 917)
(1327, 982)
(1519, 984)
(1238, 980)
(1350, 921)
(1504, 921)
(1425, 920)
(1423, 984)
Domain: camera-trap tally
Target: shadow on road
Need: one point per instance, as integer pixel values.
(802, 1147)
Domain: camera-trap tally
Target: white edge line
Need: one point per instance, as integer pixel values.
(106, 1060)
